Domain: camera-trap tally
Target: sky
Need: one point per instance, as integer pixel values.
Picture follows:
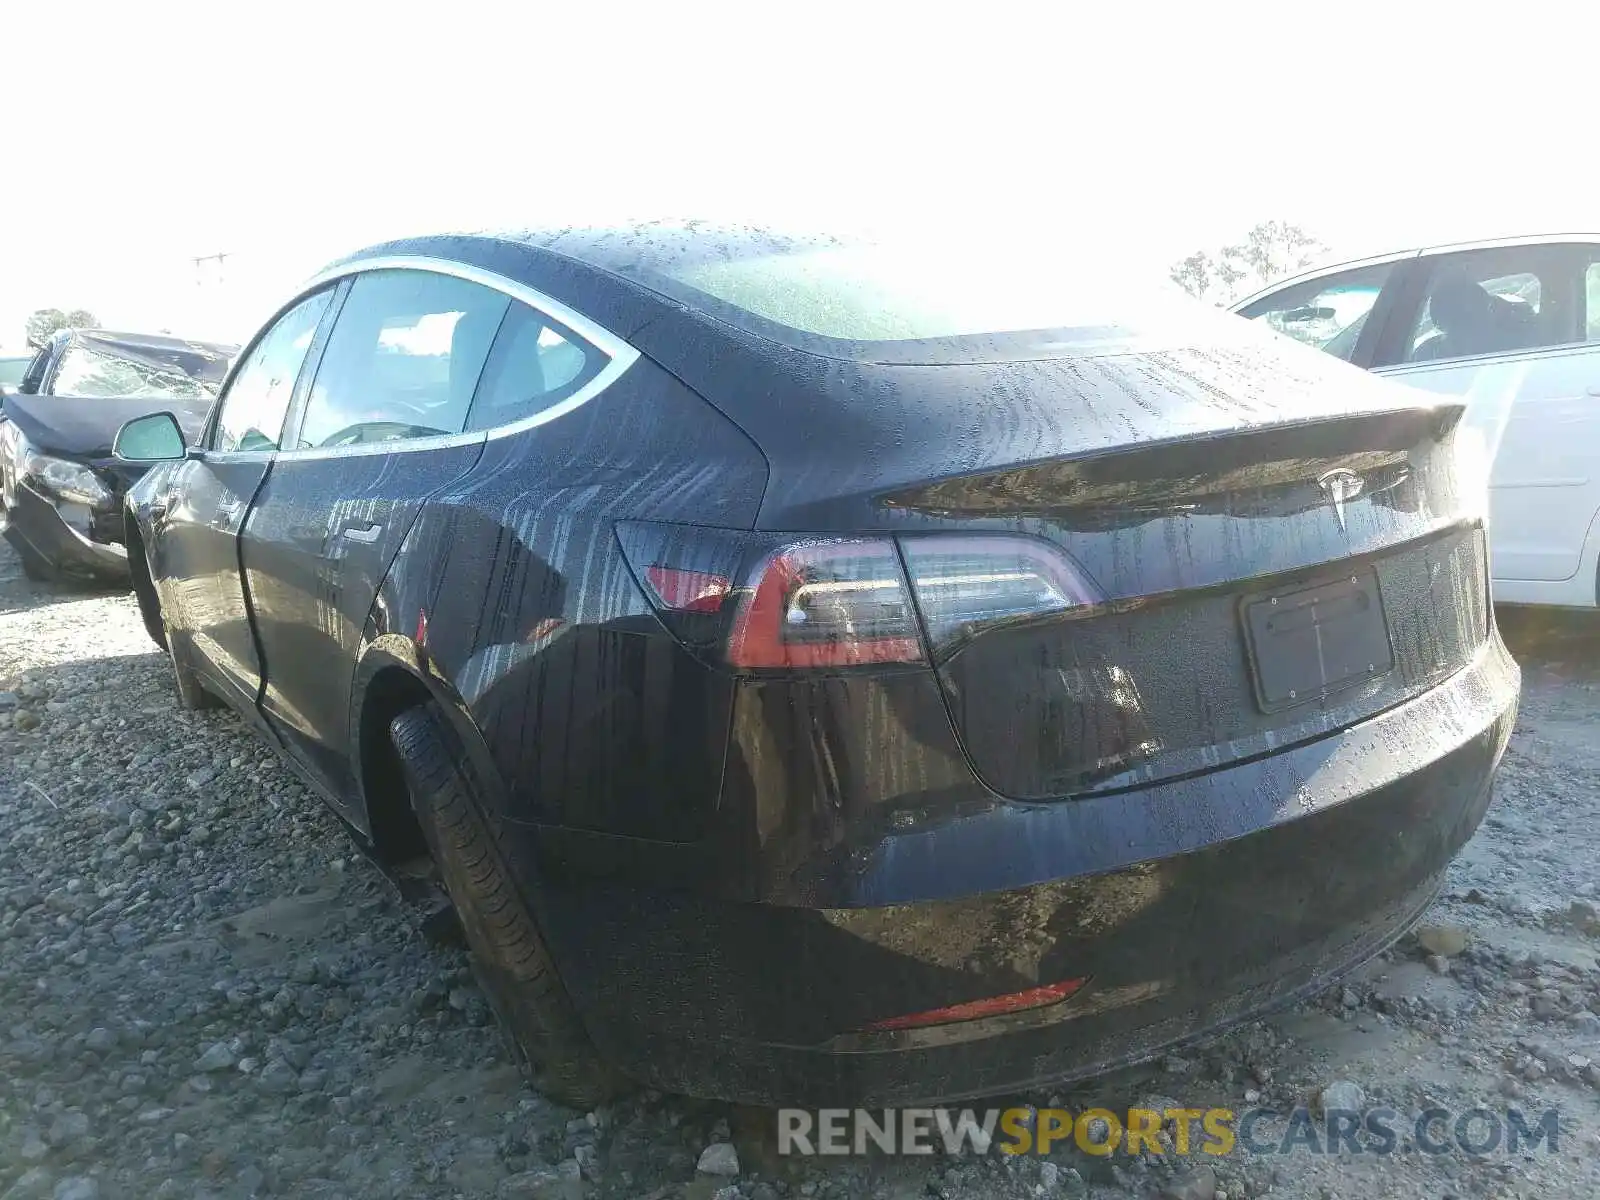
(286, 134)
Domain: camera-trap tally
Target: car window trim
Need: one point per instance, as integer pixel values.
(619, 354)
(1381, 315)
(310, 365)
(1582, 297)
(1411, 368)
(52, 366)
(214, 418)
(1533, 239)
(1326, 271)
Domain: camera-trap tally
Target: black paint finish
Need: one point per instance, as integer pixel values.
(312, 580)
(739, 869)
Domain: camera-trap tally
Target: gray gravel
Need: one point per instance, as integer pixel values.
(204, 991)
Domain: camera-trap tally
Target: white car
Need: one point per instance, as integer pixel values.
(1520, 314)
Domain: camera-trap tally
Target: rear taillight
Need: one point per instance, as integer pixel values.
(688, 591)
(965, 584)
(835, 603)
(766, 602)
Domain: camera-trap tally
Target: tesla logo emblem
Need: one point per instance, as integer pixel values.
(1341, 486)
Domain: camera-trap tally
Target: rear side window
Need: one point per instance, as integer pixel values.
(403, 359)
(535, 364)
(256, 402)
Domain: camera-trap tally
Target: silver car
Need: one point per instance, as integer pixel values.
(1519, 318)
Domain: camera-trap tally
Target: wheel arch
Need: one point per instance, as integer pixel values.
(391, 677)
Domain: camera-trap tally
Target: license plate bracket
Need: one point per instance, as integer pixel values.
(1309, 643)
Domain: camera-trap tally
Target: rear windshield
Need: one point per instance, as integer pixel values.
(894, 303)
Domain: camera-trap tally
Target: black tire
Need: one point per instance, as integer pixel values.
(192, 695)
(144, 593)
(509, 956)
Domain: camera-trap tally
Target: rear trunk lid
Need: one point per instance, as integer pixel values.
(1281, 545)
(1255, 591)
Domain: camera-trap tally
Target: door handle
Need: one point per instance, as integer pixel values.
(367, 535)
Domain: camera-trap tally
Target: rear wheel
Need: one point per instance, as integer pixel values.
(510, 957)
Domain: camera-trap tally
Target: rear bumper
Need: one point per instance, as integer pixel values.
(36, 524)
(1190, 906)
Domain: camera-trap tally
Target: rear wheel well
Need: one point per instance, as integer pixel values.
(396, 836)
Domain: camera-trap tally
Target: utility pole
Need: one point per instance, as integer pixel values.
(219, 258)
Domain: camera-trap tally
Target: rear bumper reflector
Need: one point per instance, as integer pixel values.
(973, 1010)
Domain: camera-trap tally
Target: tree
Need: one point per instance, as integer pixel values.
(1268, 252)
(46, 322)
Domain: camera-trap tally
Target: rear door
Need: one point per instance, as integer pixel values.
(198, 515)
(1516, 314)
(379, 432)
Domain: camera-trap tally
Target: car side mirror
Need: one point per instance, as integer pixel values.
(153, 438)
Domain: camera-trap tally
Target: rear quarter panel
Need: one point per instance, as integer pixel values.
(514, 593)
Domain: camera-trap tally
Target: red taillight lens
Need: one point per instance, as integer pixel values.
(758, 601)
(688, 591)
(838, 603)
(974, 1010)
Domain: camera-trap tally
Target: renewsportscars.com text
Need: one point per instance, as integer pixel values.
(1177, 1131)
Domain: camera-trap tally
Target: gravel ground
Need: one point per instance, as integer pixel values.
(204, 991)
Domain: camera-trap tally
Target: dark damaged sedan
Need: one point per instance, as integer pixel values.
(827, 674)
(59, 483)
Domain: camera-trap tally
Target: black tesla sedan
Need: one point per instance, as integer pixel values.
(825, 673)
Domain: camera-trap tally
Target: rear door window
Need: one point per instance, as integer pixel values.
(1494, 301)
(535, 364)
(402, 361)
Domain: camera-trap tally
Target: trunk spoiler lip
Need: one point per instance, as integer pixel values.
(1409, 424)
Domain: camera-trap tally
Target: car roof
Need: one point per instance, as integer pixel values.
(664, 245)
(153, 341)
(1378, 260)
